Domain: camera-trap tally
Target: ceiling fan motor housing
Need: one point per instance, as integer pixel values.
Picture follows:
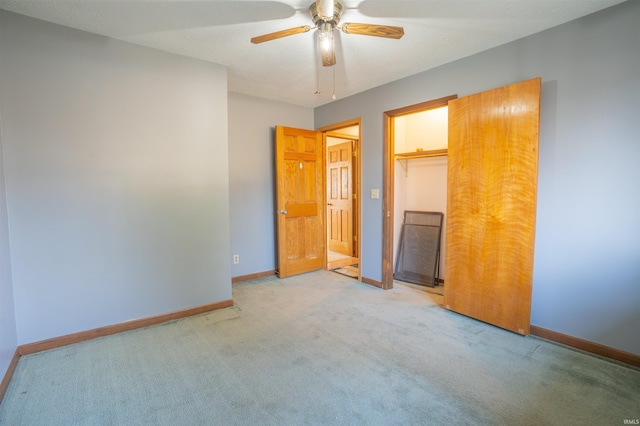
(318, 19)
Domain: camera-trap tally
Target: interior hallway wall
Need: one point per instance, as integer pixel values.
(587, 264)
(116, 166)
(252, 182)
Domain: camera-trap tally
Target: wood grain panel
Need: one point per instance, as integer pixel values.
(491, 204)
(310, 181)
(280, 34)
(334, 183)
(310, 144)
(345, 189)
(311, 249)
(300, 200)
(293, 239)
(300, 210)
(345, 154)
(290, 182)
(334, 233)
(345, 229)
(299, 156)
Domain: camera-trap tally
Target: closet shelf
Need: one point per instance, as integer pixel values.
(422, 154)
(405, 156)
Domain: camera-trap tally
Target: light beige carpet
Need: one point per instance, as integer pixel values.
(320, 349)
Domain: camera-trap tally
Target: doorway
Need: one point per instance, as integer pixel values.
(342, 183)
(420, 198)
(301, 199)
(393, 121)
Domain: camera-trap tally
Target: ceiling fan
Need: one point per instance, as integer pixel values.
(325, 15)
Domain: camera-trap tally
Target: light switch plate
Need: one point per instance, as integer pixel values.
(375, 193)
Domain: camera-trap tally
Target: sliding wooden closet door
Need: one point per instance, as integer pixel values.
(491, 204)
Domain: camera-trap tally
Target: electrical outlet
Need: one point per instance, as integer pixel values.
(375, 193)
(236, 259)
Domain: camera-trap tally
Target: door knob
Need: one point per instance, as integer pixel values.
(329, 204)
(283, 211)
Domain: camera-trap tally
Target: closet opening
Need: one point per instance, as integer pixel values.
(415, 195)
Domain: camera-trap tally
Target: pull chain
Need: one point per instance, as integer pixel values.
(334, 83)
(317, 92)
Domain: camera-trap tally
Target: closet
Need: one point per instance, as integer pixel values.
(420, 196)
(492, 171)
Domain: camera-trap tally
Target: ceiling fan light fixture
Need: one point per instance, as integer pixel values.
(326, 42)
(325, 35)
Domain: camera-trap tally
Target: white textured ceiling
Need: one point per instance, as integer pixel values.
(287, 69)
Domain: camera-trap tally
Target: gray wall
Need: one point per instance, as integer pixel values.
(117, 179)
(587, 265)
(8, 336)
(252, 124)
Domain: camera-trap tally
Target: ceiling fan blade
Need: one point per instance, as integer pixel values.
(280, 34)
(386, 31)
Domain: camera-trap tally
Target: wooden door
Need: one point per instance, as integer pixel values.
(491, 204)
(340, 198)
(300, 203)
